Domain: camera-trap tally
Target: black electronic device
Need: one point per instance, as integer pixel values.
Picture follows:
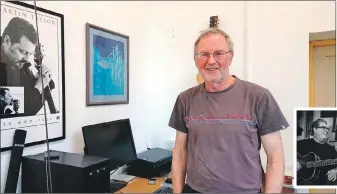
(168, 181)
(155, 162)
(112, 140)
(164, 189)
(71, 173)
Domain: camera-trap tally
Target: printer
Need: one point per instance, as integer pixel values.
(155, 162)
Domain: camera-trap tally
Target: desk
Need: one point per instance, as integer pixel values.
(141, 185)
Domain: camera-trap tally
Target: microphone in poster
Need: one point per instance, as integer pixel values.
(16, 105)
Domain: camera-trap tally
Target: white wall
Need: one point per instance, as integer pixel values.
(278, 52)
(271, 44)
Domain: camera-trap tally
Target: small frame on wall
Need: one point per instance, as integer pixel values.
(107, 55)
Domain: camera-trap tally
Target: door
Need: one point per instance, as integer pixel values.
(323, 74)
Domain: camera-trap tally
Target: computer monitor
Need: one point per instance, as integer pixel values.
(112, 140)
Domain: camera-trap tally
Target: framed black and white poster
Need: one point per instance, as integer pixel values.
(25, 73)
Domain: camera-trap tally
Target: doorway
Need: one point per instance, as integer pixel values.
(322, 73)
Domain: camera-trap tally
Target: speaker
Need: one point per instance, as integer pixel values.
(15, 161)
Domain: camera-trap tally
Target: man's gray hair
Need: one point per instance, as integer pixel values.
(215, 31)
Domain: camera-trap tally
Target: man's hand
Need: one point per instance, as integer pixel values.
(298, 166)
(332, 175)
(46, 76)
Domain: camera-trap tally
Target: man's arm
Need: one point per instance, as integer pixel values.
(179, 161)
(272, 144)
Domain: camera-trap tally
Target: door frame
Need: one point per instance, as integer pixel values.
(312, 45)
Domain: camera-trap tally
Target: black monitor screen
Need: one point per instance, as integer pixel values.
(112, 140)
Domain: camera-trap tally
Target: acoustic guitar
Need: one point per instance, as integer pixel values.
(213, 23)
(310, 164)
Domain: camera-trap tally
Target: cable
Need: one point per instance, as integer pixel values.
(114, 171)
(48, 170)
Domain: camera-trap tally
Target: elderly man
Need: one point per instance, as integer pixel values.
(220, 125)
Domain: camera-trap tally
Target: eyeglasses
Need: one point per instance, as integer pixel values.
(218, 55)
(325, 128)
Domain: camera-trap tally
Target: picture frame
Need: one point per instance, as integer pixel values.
(107, 61)
(28, 113)
(309, 115)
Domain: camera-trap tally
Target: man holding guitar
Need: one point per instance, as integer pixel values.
(316, 159)
(18, 44)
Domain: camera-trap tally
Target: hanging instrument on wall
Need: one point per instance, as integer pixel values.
(213, 23)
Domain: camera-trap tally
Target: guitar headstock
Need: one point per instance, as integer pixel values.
(213, 21)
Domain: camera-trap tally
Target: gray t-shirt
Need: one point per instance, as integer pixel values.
(224, 130)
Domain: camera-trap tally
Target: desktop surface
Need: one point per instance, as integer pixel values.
(142, 185)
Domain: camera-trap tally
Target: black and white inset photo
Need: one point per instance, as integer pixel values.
(315, 163)
(11, 101)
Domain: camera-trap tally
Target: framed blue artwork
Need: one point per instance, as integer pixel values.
(107, 66)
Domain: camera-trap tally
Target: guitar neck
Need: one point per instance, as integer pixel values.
(321, 163)
(50, 100)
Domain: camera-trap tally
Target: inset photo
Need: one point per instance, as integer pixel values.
(11, 100)
(315, 160)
